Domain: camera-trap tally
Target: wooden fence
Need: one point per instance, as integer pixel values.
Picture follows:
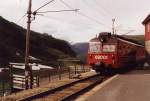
(16, 77)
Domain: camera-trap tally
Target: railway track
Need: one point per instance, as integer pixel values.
(67, 92)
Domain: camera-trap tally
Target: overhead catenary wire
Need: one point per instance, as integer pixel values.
(59, 11)
(104, 9)
(44, 5)
(96, 7)
(130, 31)
(36, 10)
(88, 17)
(67, 5)
(21, 17)
(71, 9)
(93, 19)
(37, 13)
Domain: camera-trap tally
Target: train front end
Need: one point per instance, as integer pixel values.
(102, 53)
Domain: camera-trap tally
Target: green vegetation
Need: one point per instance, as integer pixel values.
(44, 47)
(6, 85)
(139, 38)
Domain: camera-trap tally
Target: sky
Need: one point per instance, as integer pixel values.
(93, 17)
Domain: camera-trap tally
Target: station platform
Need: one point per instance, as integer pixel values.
(133, 86)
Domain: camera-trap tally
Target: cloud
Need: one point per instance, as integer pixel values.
(95, 16)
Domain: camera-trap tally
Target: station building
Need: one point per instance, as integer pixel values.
(146, 23)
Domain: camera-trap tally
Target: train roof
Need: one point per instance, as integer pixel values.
(108, 34)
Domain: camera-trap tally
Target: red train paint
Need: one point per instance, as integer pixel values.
(112, 52)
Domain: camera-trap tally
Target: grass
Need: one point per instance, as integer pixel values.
(6, 87)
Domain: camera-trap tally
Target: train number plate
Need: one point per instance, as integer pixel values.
(101, 57)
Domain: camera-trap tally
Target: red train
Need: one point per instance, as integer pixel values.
(108, 53)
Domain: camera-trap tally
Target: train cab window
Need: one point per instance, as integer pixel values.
(95, 47)
(109, 48)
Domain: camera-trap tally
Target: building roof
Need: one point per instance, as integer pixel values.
(146, 20)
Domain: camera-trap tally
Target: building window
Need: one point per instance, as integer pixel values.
(148, 27)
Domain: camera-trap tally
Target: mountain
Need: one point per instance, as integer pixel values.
(81, 50)
(43, 47)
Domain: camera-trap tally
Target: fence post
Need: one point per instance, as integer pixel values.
(37, 81)
(38, 78)
(3, 88)
(75, 69)
(11, 78)
(59, 70)
(69, 73)
(83, 68)
(31, 77)
(50, 77)
(23, 80)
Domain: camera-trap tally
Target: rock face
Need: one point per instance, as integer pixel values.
(42, 46)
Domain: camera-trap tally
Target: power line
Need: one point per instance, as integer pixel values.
(72, 9)
(21, 17)
(96, 8)
(36, 10)
(82, 14)
(130, 31)
(44, 5)
(104, 9)
(94, 20)
(37, 13)
(59, 11)
(67, 5)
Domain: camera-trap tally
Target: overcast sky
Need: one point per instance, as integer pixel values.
(93, 17)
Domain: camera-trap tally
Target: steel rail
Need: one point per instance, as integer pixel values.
(51, 91)
(81, 91)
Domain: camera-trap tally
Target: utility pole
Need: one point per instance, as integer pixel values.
(113, 26)
(28, 69)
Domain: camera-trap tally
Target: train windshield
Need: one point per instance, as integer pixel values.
(109, 48)
(94, 47)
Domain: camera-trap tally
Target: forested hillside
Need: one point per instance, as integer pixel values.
(42, 46)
